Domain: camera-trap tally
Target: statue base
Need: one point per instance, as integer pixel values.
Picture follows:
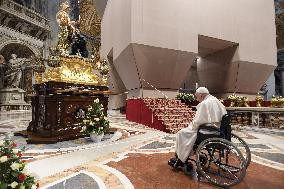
(13, 99)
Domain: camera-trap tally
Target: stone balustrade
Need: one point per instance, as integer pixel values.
(24, 13)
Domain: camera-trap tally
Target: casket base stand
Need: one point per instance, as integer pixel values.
(56, 107)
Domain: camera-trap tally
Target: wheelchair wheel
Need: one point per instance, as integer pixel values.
(243, 147)
(225, 165)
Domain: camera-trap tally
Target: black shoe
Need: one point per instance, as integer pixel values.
(172, 161)
(188, 168)
(178, 163)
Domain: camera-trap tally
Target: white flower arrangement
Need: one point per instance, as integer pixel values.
(13, 173)
(14, 184)
(3, 159)
(15, 166)
(96, 100)
(95, 121)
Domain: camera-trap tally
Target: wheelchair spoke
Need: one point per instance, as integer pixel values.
(226, 169)
(223, 176)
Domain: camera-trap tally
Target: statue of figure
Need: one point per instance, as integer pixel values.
(66, 27)
(78, 44)
(69, 34)
(2, 71)
(14, 71)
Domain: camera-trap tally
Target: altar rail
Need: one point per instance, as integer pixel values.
(267, 117)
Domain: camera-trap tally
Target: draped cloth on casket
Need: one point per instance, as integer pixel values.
(210, 110)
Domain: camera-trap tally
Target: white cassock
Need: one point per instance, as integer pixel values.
(210, 110)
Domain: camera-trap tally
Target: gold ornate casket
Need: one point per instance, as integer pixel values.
(73, 69)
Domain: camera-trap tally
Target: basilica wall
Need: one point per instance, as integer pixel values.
(251, 24)
(24, 34)
(157, 42)
(166, 24)
(121, 36)
(116, 27)
(117, 100)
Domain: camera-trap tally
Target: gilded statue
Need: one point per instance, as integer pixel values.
(69, 61)
(66, 28)
(69, 35)
(62, 16)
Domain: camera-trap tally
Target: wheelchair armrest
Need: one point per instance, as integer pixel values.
(208, 127)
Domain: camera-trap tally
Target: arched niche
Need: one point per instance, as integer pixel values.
(22, 51)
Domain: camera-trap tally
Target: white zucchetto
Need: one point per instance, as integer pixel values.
(203, 90)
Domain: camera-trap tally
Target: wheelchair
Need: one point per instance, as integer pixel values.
(221, 157)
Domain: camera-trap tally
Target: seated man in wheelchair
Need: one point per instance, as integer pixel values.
(209, 110)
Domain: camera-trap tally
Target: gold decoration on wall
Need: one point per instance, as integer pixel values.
(90, 22)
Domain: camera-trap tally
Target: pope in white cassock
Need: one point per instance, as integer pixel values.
(209, 110)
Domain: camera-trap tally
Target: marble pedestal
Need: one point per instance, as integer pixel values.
(13, 99)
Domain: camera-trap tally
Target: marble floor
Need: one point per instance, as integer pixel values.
(135, 156)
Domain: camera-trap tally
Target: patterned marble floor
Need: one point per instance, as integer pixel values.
(123, 158)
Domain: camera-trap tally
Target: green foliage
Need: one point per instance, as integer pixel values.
(13, 172)
(95, 120)
(186, 98)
